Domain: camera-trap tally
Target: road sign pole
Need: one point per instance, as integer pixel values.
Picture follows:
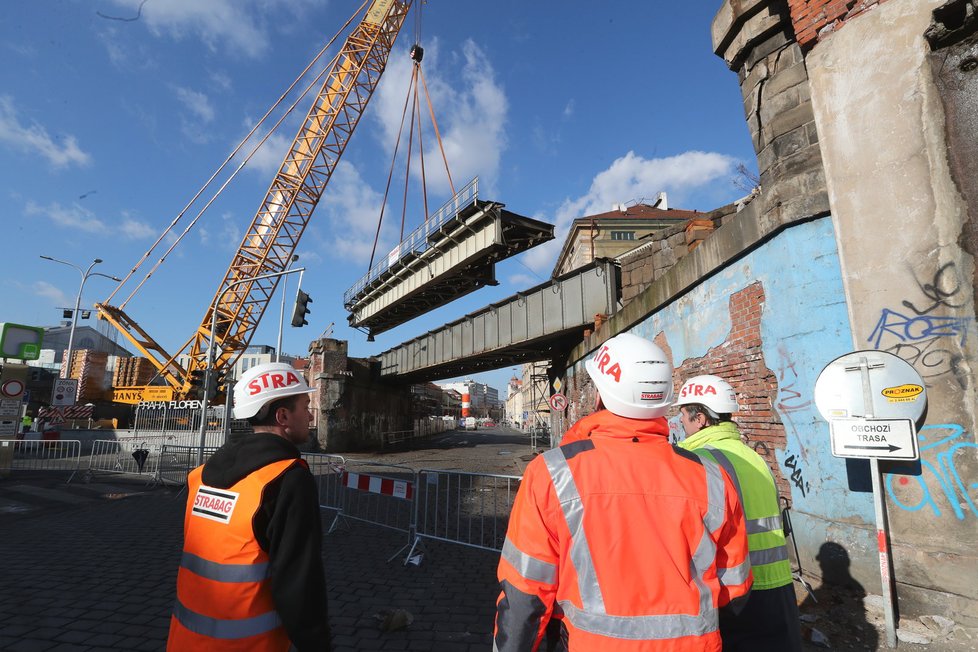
(882, 530)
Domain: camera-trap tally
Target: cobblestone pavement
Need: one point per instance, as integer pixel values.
(90, 567)
(99, 575)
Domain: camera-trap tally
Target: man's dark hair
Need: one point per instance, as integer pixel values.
(712, 418)
(266, 415)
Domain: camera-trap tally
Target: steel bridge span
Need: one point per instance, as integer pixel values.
(542, 323)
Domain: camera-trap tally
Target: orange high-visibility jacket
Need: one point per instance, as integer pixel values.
(631, 543)
(224, 599)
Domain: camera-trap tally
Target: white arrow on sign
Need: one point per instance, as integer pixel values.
(893, 439)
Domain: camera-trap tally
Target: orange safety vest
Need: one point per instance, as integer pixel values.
(632, 543)
(224, 598)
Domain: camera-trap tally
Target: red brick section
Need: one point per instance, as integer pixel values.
(740, 361)
(814, 19)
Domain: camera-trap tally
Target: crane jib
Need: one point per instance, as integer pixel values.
(275, 231)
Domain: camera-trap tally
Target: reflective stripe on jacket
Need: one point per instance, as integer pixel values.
(224, 599)
(759, 496)
(632, 543)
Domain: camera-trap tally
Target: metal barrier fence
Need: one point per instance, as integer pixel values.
(176, 462)
(63, 455)
(422, 429)
(125, 456)
(328, 472)
(179, 422)
(374, 492)
(471, 509)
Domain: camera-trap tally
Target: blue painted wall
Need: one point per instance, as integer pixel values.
(804, 326)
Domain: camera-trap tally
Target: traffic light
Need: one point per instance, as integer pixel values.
(196, 389)
(216, 388)
(302, 302)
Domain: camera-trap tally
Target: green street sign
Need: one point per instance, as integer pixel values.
(20, 342)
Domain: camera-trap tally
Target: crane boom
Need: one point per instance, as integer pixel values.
(293, 194)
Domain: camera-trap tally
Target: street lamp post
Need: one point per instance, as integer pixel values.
(281, 317)
(210, 352)
(74, 315)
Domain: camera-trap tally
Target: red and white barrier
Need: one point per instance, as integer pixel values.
(377, 485)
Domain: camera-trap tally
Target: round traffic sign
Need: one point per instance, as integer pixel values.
(870, 382)
(12, 388)
(558, 402)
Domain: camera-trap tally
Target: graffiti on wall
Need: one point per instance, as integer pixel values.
(940, 477)
(931, 343)
(791, 400)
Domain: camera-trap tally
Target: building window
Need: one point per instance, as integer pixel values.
(622, 235)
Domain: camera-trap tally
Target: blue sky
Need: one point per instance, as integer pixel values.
(113, 113)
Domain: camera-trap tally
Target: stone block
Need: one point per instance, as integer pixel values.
(675, 239)
(751, 79)
(765, 160)
(773, 105)
(786, 78)
(778, 40)
(793, 118)
(812, 132)
(790, 143)
(734, 37)
(801, 163)
(668, 258)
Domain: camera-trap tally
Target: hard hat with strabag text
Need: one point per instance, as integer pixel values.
(633, 376)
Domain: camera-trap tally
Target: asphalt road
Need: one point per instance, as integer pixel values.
(497, 450)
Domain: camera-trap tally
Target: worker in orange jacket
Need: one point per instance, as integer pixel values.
(251, 576)
(627, 542)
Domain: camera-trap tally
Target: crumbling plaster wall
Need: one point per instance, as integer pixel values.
(899, 219)
(767, 300)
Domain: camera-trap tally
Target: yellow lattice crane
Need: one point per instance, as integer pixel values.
(271, 240)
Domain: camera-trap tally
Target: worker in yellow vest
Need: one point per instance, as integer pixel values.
(769, 620)
(251, 576)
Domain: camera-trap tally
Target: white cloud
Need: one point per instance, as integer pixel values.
(353, 208)
(228, 234)
(48, 291)
(241, 27)
(629, 178)
(72, 217)
(215, 22)
(471, 113)
(524, 280)
(268, 159)
(35, 138)
(196, 103)
(309, 257)
(135, 230)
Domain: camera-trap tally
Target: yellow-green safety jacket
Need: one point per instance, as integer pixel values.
(758, 495)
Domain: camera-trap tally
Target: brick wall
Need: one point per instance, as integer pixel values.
(740, 361)
(814, 19)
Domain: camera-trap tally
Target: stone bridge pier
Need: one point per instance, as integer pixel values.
(353, 406)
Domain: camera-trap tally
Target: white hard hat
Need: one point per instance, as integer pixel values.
(711, 391)
(633, 376)
(265, 383)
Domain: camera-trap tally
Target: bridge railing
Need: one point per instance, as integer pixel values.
(417, 241)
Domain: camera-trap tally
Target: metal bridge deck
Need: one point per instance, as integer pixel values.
(542, 323)
(449, 256)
